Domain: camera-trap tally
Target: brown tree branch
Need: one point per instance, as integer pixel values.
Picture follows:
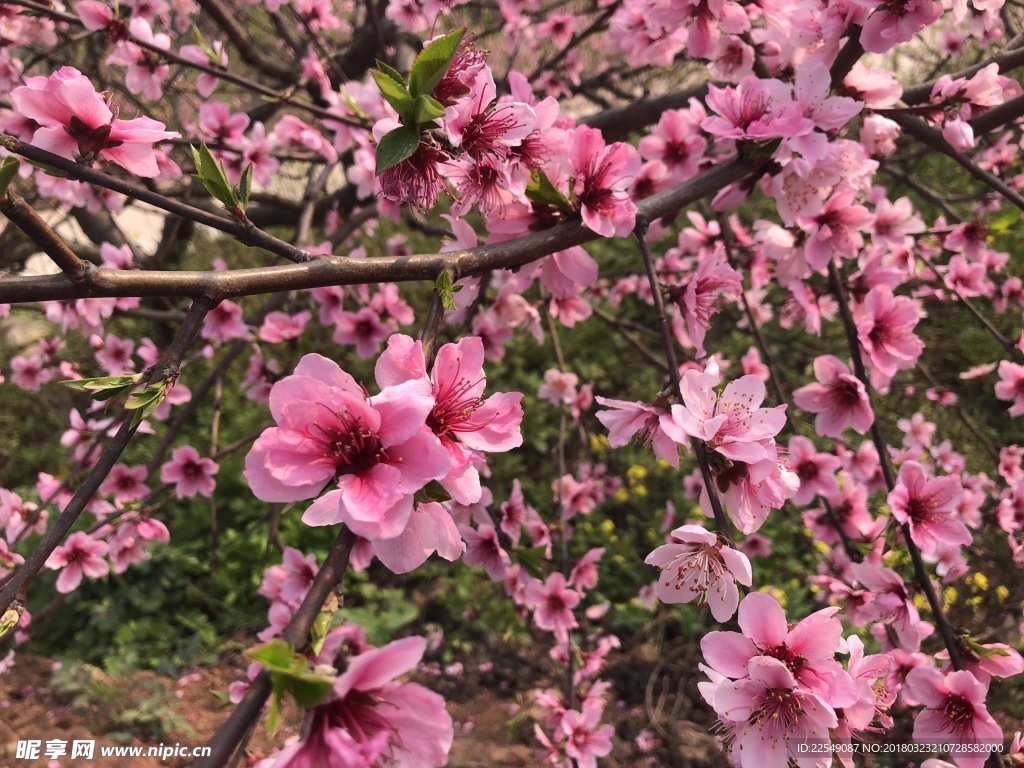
(25, 218)
(335, 270)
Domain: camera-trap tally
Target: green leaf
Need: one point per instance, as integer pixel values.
(530, 559)
(274, 712)
(395, 93)
(432, 64)
(396, 146)
(276, 655)
(102, 383)
(428, 109)
(433, 491)
(49, 170)
(245, 186)
(290, 673)
(309, 690)
(147, 401)
(9, 621)
(443, 285)
(391, 72)
(1004, 223)
(541, 190)
(211, 173)
(8, 170)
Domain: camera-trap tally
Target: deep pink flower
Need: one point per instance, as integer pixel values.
(461, 418)
(839, 398)
(125, 483)
(696, 565)
(699, 300)
(75, 122)
(80, 555)
(190, 473)
(602, 177)
(364, 329)
(817, 471)
(480, 127)
(552, 603)
(885, 326)
(378, 449)
(928, 505)
(888, 601)
(372, 720)
(835, 230)
(954, 714)
(484, 549)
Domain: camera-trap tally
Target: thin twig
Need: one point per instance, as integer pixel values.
(328, 577)
(920, 572)
(721, 522)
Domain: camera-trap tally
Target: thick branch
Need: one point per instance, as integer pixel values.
(344, 271)
(618, 123)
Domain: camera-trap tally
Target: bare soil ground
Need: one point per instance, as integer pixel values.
(651, 691)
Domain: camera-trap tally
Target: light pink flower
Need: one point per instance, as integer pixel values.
(75, 122)
(190, 473)
(731, 423)
(696, 565)
(281, 326)
(80, 555)
(625, 420)
(585, 742)
(773, 714)
(430, 529)
(807, 648)
(1011, 386)
(896, 22)
(378, 449)
(558, 388)
(928, 506)
(755, 109)
(954, 714)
